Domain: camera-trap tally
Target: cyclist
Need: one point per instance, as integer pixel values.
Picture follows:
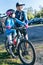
(20, 13)
(21, 16)
(9, 24)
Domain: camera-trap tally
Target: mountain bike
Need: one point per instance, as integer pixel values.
(26, 54)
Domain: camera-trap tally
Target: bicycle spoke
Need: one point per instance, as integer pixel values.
(26, 52)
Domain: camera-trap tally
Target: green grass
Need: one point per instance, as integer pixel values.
(6, 59)
(8, 62)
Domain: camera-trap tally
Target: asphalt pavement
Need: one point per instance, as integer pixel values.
(34, 33)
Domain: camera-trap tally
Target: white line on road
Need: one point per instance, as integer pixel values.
(35, 25)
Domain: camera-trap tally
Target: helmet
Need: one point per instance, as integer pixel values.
(10, 12)
(19, 4)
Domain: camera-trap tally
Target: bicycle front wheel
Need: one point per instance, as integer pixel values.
(26, 52)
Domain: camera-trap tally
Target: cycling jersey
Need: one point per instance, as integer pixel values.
(10, 22)
(21, 16)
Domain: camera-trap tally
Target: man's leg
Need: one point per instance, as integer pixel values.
(26, 44)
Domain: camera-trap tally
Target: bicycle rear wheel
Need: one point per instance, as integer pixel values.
(13, 46)
(26, 53)
(7, 45)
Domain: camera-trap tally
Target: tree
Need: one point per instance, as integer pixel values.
(41, 12)
(30, 13)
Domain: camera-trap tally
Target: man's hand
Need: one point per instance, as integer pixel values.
(26, 25)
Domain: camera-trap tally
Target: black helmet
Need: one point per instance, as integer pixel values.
(18, 4)
(10, 12)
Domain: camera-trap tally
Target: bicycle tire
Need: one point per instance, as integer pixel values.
(6, 45)
(34, 56)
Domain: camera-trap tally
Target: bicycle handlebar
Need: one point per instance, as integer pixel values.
(18, 28)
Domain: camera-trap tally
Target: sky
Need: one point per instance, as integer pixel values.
(11, 4)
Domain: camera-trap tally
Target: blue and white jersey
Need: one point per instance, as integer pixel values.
(10, 22)
(20, 15)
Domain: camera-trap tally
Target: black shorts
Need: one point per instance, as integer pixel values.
(23, 31)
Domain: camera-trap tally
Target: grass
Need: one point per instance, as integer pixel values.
(6, 59)
(8, 62)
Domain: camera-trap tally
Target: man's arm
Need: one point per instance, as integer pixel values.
(20, 22)
(25, 18)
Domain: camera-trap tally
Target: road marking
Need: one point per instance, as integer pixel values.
(35, 25)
